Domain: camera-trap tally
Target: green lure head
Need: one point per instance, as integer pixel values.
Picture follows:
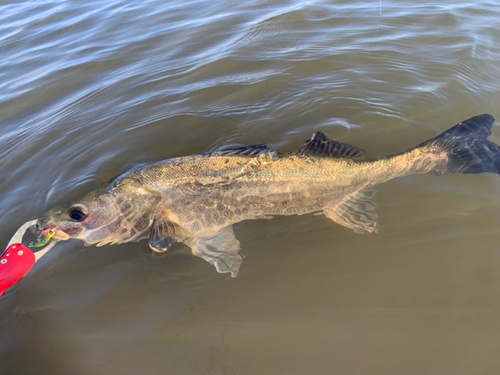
(44, 237)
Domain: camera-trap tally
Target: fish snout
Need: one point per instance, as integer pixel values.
(42, 225)
(47, 230)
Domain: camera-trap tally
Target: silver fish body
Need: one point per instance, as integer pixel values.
(196, 199)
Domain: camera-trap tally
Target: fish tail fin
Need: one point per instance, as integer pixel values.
(468, 151)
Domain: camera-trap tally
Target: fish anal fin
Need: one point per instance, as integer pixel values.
(321, 146)
(221, 250)
(164, 234)
(357, 212)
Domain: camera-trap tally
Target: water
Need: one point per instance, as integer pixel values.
(91, 89)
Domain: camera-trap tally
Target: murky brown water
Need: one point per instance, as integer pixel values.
(89, 89)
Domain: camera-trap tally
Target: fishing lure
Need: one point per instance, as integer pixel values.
(44, 237)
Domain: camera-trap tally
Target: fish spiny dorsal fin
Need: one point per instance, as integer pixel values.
(321, 146)
(241, 151)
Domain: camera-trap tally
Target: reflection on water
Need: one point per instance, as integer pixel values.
(91, 89)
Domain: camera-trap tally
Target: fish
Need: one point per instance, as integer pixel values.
(197, 199)
(44, 237)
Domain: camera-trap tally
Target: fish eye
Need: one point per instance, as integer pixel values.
(78, 212)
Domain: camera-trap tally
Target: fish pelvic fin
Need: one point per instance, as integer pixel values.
(467, 147)
(164, 234)
(321, 146)
(357, 212)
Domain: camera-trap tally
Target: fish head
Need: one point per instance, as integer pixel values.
(120, 212)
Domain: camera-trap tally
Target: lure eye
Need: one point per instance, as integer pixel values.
(78, 212)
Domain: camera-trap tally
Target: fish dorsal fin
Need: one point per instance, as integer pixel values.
(321, 146)
(164, 234)
(357, 212)
(241, 151)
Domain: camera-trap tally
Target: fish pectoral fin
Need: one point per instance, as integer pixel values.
(357, 212)
(164, 234)
(221, 250)
(321, 146)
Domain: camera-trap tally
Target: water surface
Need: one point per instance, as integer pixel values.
(90, 89)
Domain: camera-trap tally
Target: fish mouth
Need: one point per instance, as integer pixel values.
(44, 237)
(36, 229)
(64, 230)
(38, 232)
(39, 227)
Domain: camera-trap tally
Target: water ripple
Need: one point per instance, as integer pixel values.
(89, 89)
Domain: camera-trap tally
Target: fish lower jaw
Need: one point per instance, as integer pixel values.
(61, 236)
